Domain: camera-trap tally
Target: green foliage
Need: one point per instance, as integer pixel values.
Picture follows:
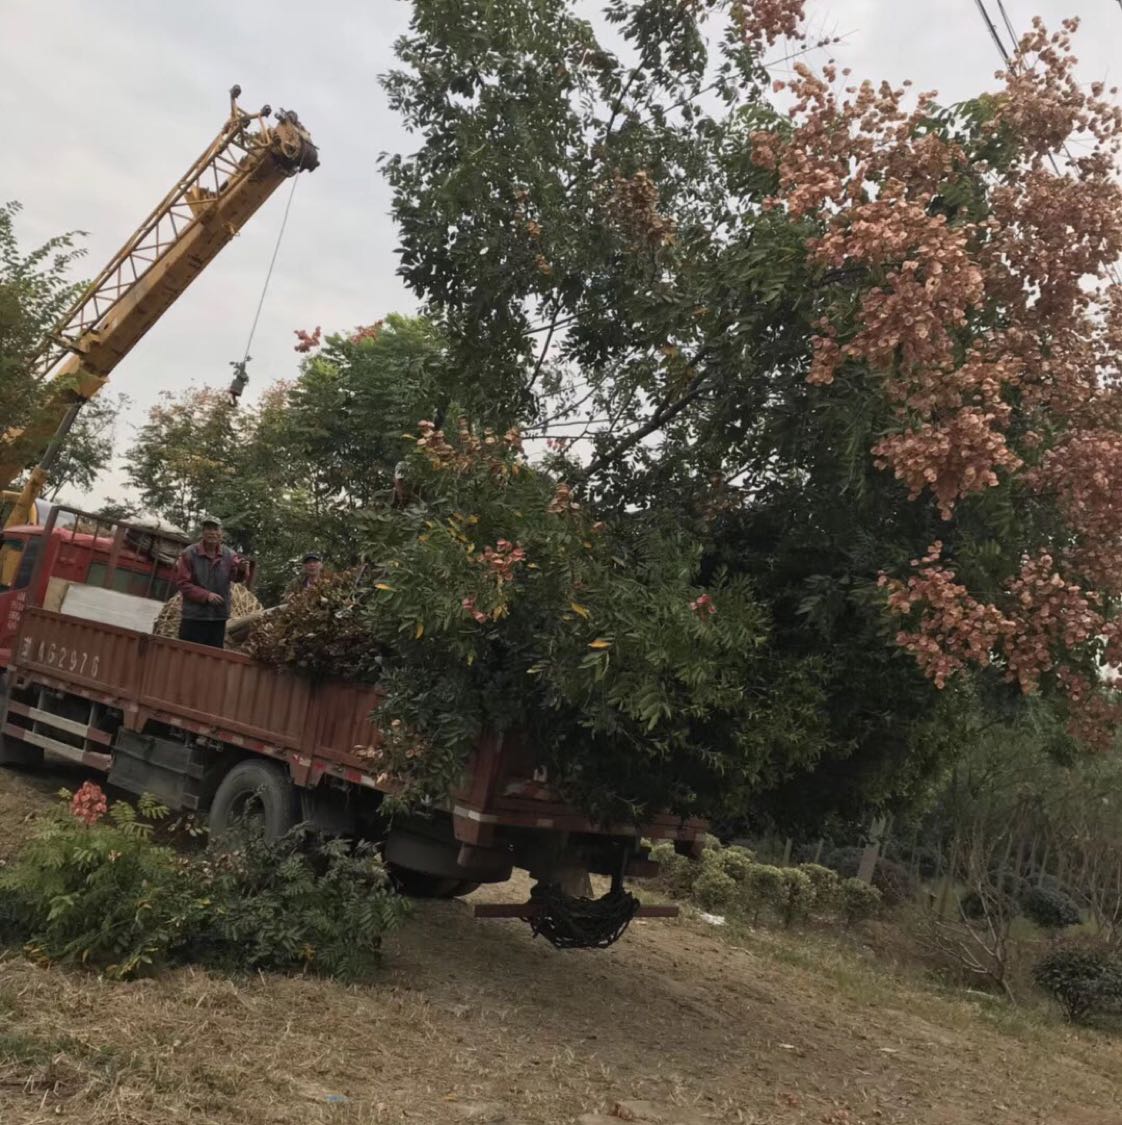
(1084, 980)
(103, 895)
(714, 889)
(825, 884)
(676, 872)
(766, 889)
(295, 904)
(100, 892)
(737, 862)
(35, 290)
(1049, 909)
(289, 474)
(892, 879)
(797, 895)
(858, 900)
(495, 602)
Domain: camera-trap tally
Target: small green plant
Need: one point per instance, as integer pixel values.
(825, 883)
(737, 862)
(857, 901)
(90, 887)
(714, 889)
(797, 895)
(676, 872)
(1084, 980)
(765, 889)
(1050, 910)
(299, 903)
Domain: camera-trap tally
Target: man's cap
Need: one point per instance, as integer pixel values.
(211, 521)
(311, 556)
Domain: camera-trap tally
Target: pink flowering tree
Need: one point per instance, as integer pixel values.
(840, 330)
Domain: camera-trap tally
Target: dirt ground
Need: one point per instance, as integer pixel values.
(474, 1021)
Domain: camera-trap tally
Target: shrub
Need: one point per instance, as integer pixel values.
(825, 883)
(765, 888)
(297, 903)
(797, 894)
(735, 862)
(857, 900)
(676, 872)
(1049, 909)
(1082, 979)
(90, 887)
(892, 879)
(714, 889)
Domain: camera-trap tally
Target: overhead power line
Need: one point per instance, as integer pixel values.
(1008, 59)
(992, 28)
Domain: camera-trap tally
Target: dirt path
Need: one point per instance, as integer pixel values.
(474, 1021)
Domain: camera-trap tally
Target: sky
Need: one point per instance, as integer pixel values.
(106, 102)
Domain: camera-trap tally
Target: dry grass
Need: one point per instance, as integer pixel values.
(473, 1021)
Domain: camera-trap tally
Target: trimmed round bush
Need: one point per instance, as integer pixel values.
(737, 863)
(1083, 980)
(857, 900)
(798, 894)
(765, 888)
(1050, 910)
(676, 872)
(892, 879)
(825, 883)
(713, 889)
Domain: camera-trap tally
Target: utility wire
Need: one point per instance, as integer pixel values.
(1007, 58)
(1008, 23)
(992, 28)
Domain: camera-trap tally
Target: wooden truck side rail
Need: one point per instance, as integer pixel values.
(230, 700)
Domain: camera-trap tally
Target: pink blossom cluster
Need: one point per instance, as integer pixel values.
(703, 605)
(89, 804)
(307, 341)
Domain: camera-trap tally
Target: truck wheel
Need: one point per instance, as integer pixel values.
(417, 884)
(255, 791)
(16, 752)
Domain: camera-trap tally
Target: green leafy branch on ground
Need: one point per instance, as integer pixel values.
(92, 887)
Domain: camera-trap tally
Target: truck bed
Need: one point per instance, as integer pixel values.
(316, 728)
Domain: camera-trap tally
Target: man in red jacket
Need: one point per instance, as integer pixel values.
(204, 575)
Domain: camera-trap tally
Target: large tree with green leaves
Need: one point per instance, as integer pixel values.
(293, 472)
(36, 288)
(840, 333)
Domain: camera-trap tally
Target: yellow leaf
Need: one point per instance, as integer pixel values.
(419, 632)
(382, 586)
(576, 607)
(600, 642)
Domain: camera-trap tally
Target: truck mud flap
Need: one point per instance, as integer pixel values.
(172, 772)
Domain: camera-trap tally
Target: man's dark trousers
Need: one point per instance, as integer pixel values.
(212, 633)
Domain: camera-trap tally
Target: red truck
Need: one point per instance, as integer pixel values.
(215, 732)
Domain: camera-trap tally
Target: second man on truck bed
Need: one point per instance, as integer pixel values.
(204, 574)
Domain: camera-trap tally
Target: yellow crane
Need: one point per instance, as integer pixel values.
(248, 160)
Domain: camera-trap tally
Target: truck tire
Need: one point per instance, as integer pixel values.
(417, 884)
(16, 752)
(255, 790)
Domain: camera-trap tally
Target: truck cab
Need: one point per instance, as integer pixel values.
(87, 552)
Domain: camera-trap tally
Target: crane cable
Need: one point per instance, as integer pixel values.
(240, 376)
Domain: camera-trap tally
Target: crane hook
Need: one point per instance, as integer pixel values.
(241, 378)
